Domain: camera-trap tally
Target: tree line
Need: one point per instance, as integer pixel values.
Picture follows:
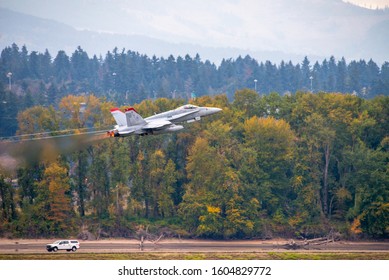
(129, 77)
(294, 165)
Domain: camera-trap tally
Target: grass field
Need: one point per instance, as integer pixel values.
(203, 256)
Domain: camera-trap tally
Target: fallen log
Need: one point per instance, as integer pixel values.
(292, 244)
(310, 241)
(295, 245)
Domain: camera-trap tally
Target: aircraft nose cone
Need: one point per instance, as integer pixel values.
(213, 110)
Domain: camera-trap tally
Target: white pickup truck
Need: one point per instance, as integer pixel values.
(68, 245)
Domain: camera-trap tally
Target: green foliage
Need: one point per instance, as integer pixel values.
(8, 207)
(294, 165)
(129, 77)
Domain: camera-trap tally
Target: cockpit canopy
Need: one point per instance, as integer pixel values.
(188, 106)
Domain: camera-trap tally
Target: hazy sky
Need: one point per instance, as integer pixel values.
(277, 25)
(373, 4)
(201, 21)
(170, 16)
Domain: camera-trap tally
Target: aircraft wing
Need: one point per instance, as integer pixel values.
(178, 116)
(157, 124)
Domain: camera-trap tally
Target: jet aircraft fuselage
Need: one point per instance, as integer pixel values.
(130, 122)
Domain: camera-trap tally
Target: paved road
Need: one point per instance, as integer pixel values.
(188, 246)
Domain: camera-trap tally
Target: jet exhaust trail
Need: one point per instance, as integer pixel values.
(29, 149)
(19, 151)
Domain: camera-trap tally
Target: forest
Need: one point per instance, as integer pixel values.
(127, 77)
(298, 165)
(289, 156)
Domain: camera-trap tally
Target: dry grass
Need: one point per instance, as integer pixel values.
(202, 256)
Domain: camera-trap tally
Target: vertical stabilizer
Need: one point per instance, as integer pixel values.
(133, 118)
(119, 117)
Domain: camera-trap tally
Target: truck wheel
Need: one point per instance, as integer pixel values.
(74, 249)
(48, 250)
(55, 249)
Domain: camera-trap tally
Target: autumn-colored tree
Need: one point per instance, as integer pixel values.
(98, 182)
(165, 201)
(120, 166)
(37, 119)
(297, 165)
(247, 101)
(205, 170)
(269, 148)
(56, 181)
(71, 106)
(85, 111)
(139, 192)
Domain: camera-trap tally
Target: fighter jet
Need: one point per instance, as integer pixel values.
(130, 122)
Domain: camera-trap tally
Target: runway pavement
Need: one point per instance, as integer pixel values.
(119, 246)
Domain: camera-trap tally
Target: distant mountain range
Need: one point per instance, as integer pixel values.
(40, 34)
(333, 37)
